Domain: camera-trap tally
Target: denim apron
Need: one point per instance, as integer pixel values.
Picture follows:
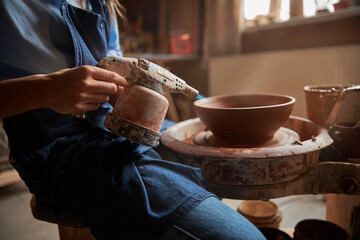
(120, 189)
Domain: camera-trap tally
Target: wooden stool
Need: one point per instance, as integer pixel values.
(69, 229)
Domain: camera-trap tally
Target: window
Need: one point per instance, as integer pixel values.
(263, 12)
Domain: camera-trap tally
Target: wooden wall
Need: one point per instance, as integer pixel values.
(285, 72)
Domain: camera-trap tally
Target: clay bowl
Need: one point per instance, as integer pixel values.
(244, 119)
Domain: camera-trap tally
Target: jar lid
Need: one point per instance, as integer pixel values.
(258, 209)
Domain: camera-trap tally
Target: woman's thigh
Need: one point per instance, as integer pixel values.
(212, 219)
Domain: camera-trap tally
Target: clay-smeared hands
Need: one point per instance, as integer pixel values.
(82, 89)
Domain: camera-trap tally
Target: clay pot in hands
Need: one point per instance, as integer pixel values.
(244, 119)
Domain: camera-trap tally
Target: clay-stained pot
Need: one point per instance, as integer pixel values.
(244, 119)
(346, 140)
(138, 115)
(313, 229)
(142, 106)
(261, 213)
(320, 100)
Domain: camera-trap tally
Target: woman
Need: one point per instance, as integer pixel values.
(120, 189)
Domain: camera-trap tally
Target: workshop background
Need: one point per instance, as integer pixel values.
(227, 47)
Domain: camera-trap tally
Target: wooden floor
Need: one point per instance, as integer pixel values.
(17, 223)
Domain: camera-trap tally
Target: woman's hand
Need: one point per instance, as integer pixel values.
(81, 89)
(68, 91)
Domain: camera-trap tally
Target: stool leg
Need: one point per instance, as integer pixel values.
(70, 233)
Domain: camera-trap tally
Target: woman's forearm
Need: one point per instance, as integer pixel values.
(22, 94)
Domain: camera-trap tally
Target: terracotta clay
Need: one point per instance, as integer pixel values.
(244, 119)
(282, 137)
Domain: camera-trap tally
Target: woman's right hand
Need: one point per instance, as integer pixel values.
(67, 91)
(82, 89)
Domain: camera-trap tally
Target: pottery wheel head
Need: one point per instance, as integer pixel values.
(282, 137)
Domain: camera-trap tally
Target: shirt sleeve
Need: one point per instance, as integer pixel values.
(114, 46)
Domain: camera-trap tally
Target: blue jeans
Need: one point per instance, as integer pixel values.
(212, 219)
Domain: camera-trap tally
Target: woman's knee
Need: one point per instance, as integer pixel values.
(212, 219)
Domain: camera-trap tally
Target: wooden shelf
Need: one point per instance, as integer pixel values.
(330, 29)
(163, 56)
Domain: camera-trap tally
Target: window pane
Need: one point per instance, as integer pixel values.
(252, 8)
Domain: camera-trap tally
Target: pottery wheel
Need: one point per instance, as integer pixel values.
(282, 137)
(292, 151)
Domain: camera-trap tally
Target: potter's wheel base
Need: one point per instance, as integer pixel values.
(323, 178)
(249, 166)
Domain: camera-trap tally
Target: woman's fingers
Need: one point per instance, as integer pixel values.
(101, 80)
(108, 76)
(95, 97)
(82, 89)
(102, 87)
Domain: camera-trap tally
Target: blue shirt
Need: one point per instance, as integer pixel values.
(43, 41)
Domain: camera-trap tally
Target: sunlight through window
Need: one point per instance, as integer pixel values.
(255, 9)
